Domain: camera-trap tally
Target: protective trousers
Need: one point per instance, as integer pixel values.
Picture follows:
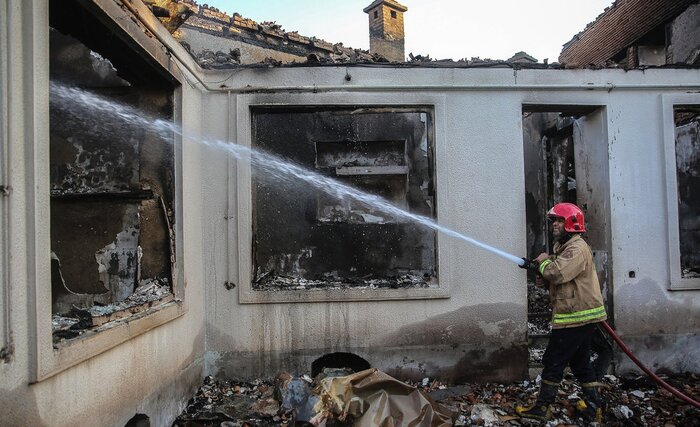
(569, 346)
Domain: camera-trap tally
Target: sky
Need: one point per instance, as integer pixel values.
(443, 29)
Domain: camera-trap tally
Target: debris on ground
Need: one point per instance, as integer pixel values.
(537, 299)
(342, 400)
(539, 328)
(539, 325)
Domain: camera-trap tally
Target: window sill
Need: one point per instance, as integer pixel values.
(688, 284)
(69, 353)
(250, 296)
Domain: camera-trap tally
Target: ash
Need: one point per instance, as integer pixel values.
(690, 273)
(280, 282)
(535, 355)
(539, 326)
(148, 291)
(537, 299)
(79, 320)
(59, 322)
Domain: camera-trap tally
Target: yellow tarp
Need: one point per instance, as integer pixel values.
(373, 398)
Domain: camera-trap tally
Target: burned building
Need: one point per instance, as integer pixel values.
(132, 164)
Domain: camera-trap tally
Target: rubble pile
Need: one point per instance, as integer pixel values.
(302, 401)
(642, 403)
(335, 397)
(209, 59)
(233, 403)
(537, 299)
(538, 322)
(149, 293)
(281, 282)
(539, 325)
(690, 274)
(628, 402)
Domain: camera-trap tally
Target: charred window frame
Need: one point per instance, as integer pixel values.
(680, 111)
(107, 27)
(245, 106)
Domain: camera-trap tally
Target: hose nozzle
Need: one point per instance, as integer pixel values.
(528, 265)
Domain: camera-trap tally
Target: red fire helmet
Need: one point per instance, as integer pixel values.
(572, 214)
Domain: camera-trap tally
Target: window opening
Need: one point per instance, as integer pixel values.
(376, 14)
(393, 14)
(558, 142)
(304, 238)
(111, 183)
(687, 156)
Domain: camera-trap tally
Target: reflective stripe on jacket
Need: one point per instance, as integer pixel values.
(573, 285)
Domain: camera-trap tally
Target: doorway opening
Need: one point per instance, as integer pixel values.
(566, 160)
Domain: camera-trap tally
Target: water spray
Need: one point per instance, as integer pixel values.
(269, 163)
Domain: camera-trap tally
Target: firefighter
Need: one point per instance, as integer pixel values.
(577, 305)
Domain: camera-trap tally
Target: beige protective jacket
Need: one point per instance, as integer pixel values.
(573, 285)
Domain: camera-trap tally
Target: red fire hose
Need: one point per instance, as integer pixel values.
(646, 370)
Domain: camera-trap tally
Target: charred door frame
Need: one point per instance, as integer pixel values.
(668, 102)
(48, 360)
(240, 201)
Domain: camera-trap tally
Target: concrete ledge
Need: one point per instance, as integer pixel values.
(92, 343)
(249, 296)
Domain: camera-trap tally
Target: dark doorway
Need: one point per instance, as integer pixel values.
(565, 155)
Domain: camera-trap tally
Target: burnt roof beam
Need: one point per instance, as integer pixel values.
(619, 27)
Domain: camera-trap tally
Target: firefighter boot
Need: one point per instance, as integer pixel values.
(541, 409)
(589, 408)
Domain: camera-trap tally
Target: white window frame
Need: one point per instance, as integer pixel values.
(668, 102)
(242, 201)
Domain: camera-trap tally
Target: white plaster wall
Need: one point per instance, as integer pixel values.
(662, 324)
(480, 192)
(479, 172)
(153, 373)
(220, 219)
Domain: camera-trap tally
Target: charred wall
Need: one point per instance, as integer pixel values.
(688, 178)
(534, 126)
(684, 37)
(303, 233)
(550, 173)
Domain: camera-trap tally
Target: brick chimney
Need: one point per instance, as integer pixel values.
(386, 36)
